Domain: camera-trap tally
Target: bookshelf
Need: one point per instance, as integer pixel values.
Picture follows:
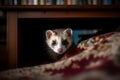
(60, 7)
(59, 2)
(20, 14)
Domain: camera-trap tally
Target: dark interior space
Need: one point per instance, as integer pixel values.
(2, 30)
(32, 35)
(3, 59)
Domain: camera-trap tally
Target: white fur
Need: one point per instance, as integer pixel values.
(59, 45)
(58, 38)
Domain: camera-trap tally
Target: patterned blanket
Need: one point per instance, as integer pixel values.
(97, 58)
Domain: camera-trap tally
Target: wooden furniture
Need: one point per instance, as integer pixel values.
(20, 12)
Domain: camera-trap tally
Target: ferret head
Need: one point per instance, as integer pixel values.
(59, 40)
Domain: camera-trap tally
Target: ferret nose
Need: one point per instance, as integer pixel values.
(60, 50)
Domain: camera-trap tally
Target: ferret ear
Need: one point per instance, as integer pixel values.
(49, 34)
(68, 31)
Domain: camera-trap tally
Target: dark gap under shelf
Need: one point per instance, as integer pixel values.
(32, 37)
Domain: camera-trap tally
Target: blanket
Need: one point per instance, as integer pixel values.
(97, 58)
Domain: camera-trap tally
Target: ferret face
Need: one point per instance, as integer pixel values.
(59, 40)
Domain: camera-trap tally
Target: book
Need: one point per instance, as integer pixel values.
(35, 2)
(5, 2)
(94, 2)
(54, 2)
(100, 2)
(89, 2)
(41, 2)
(48, 2)
(15, 2)
(117, 2)
(30, 2)
(107, 2)
(24, 2)
(74, 2)
(61, 2)
(69, 2)
(84, 2)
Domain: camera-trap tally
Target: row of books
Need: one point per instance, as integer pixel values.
(59, 2)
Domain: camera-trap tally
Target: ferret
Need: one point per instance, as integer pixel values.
(59, 42)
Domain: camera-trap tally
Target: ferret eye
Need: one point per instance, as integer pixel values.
(54, 42)
(65, 42)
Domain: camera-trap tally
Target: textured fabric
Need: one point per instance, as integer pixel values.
(97, 58)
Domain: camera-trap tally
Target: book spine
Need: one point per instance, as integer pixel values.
(48, 2)
(19, 2)
(117, 2)
(84, 2)
(109, 2)
(104, 2)
(63, 2)
(69, 2)
(79, 2)
(94, 2)
(100, 2)
(15, 2)
(24, 2)
(58, 2)
(74, 2)
(54, 2)
(35, 2)
(5, 2)
(41, 2)
(30, 2)
(10, 2)
(89, 2)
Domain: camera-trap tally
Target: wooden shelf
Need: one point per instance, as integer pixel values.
(14, 13)
(61, 7)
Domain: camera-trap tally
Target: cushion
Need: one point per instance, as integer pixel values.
(97, 58)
